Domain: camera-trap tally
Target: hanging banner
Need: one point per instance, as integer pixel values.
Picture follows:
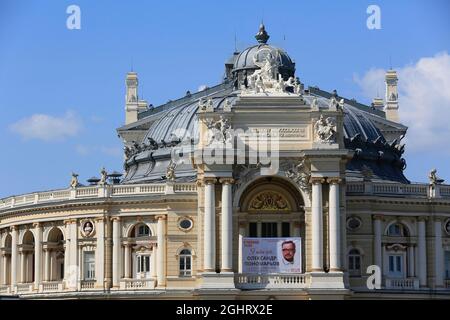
(271, 255)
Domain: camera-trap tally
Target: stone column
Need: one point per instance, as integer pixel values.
(37, 255)
(4, 269)
(242, 227)
(100, 252)
(377, 246)
(2, 264)
(227, 225)
(410, 261)
(73, 272)
(46, 264)
(153, 267)
(116, 252)
(66, 261)
(161, 250)
(439, 255)
(316, 225)
(209, 227)
(14, 255)
(127, 258)
(334, 218)
(422, 248)
(23, 265)
(53, 272)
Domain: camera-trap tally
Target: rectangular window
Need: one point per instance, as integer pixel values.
(396, 265)
(354, 265)
(447, 264)
(252, 229)
(185, 266)
(143, 263)
(285, 229)
(268, 229)
(89, 265)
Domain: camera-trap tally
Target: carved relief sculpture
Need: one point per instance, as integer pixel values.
(325, 130)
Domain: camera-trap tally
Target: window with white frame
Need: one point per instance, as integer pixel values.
(395, 265)
(143, 264)
(89, 265)
(185, 263)
(354, 263)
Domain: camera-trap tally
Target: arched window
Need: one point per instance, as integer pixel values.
(397, 230)
(185, 263)
(354, 263)
(142, 230)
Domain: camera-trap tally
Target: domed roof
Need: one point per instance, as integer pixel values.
(178, 124)
(245, 61)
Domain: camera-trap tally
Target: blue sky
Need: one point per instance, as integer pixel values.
(76, 77)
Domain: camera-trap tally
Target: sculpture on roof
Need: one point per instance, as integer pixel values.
(103, 177)
(206, 105)
(74, 180)
(325, 129)
(170, 171)
(434, 179)
(218, 130)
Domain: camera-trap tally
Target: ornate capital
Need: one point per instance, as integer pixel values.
(377, 217)
(317, 180)
(100, 219)
(69, 221)
(334, 180)
(115, 219)
(226, 180)
(37, 225)
(14, 228)
(422, 218)
(209, 180)
(161, 217)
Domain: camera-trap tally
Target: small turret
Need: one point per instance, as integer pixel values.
(391, 107)
(133, 105)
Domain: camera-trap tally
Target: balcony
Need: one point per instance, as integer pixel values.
(91, 192)
(416, 190)
(271, 281)
(403, 284)
(87, 284)
(54, 286)
(137, 284)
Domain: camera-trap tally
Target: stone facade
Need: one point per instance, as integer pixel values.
(174, 230)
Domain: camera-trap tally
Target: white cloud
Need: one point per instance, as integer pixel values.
(82, 150)
(48, 128)
(112, 151)
(85, 150)
(424, 100)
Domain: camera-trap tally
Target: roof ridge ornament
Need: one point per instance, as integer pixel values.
(262, 36)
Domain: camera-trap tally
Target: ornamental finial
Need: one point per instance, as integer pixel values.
(262, 35)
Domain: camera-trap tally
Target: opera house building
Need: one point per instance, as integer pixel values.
(259, 187)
